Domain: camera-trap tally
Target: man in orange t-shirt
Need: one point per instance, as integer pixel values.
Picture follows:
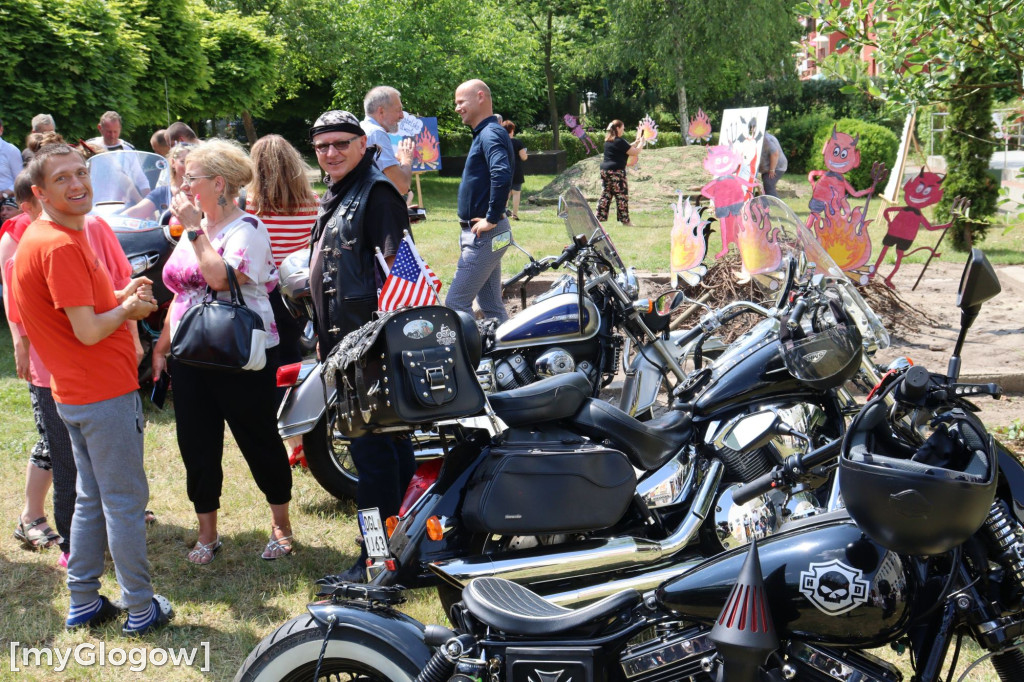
(78, 326)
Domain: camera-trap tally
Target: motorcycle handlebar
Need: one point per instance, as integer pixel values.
(568, 253)
(787, 473)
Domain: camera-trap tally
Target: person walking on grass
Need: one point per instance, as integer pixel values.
(78, 324)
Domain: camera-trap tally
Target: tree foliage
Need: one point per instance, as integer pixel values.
(73, 58)
(702, 50)
(968, 148)
(923, 47)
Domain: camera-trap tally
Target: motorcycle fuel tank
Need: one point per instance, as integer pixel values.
(826, 582)
(554, 320)
(752, 366)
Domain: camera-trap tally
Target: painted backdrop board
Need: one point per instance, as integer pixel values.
(743, 130)
(896, 176)
(426, 143)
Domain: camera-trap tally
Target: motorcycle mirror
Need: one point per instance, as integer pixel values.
(748, 432)
(978, 284)
(668, 302)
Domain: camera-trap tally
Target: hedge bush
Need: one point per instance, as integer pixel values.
(876, 144)
(455, 144)
(797, 137)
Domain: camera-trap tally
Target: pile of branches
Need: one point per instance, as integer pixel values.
(721, 286)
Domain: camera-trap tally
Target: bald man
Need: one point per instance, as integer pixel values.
(483, 193)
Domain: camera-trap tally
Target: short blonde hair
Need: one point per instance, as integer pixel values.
(226, 159)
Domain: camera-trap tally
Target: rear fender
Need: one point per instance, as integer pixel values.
(404, 635)
(303, 405)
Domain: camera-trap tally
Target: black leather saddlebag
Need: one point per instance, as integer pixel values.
(531, 489)
(405, 369)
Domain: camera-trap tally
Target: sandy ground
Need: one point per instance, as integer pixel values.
(994, 350)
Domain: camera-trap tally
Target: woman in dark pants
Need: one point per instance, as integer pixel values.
(613, 172)
(220, 233)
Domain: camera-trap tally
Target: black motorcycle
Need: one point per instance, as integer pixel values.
(566, 493)
(928, 551)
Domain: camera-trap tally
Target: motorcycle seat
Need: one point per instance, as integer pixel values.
(516, 610)
(549, 399)
(647, 444)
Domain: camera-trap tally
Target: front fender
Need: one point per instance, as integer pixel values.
(303, 405)
(403, 634)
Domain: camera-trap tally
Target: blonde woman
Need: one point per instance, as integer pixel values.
(159, 200)
(219, 232)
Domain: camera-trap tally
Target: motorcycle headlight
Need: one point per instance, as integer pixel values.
(628, 282)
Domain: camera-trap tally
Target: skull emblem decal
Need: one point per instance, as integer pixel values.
(834, 587)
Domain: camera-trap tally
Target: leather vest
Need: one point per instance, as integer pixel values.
(343, 276)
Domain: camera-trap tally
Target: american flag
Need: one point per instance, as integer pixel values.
(411, 282)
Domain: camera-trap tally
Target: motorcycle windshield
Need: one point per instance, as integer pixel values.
(121, 180)
(772, 236)
(579, 219)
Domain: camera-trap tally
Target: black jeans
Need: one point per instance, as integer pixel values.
(386, 464)
(203, 401)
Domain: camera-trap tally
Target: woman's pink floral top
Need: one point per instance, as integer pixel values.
(245, 245)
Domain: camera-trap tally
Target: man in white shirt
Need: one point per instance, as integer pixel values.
(383, 109)
(110, 141)
(10, 162)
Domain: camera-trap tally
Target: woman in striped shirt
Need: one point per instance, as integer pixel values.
(281, 196)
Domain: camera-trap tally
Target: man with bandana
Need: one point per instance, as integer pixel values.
(360, 212)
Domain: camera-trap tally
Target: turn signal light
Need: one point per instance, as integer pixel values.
(390, 524)
(434, 530)
(175, 229)
(391, 565)
(287, 375)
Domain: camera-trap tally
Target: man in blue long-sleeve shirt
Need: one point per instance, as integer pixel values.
(483, 193)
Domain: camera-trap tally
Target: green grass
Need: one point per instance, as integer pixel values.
(237, 600)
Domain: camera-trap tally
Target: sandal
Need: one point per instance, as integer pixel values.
(202, 555)
(37, 535)
(150, 518)
(277, 547)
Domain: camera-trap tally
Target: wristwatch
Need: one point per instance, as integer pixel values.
(193, 235)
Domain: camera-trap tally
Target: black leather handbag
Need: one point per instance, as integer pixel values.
(221, 335)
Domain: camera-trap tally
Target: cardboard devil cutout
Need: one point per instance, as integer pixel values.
(904, 222)
(842, 231)
(727, 190)
(577, 129)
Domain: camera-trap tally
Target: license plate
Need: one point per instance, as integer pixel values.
(375, 539)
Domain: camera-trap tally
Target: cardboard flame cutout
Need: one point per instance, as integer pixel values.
(646, 130)
(842, 231)
(700, 128)
(922, 190)
(426, 149)
(727, 190)
(690, 232)
(576, 129)
(758, 241)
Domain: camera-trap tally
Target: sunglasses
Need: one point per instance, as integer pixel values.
(340, 145)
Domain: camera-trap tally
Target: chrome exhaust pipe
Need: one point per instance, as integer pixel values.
(591, 558)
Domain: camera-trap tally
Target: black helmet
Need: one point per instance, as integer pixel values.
(827, 355)
(918, 500)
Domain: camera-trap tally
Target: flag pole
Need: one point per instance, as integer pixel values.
(383, 263)
(412, 246)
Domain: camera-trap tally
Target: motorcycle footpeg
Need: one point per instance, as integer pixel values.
(335, 588)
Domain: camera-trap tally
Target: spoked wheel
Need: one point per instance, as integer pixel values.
(330, 461)
(292, 652)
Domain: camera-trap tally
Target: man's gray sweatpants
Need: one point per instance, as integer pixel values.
(478, 273)
(107, 440)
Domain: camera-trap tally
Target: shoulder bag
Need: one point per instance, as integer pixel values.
(221, 335)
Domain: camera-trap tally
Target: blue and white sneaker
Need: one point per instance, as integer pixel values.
(158, 614)
(92, 615)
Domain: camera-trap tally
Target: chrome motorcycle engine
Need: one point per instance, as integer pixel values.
(554, 361)
(672, 654)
